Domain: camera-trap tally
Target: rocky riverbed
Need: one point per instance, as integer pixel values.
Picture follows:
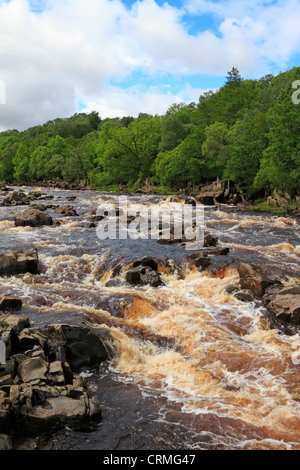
(207, 341)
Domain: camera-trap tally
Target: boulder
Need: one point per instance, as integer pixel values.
(284, 304)
(80, 346)
(255, 279)
(33, 218)
(18, 262)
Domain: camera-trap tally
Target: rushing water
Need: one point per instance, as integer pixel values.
(195, 367)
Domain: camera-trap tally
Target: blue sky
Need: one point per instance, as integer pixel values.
(122, 57)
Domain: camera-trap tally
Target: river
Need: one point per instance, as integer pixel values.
(195, 368)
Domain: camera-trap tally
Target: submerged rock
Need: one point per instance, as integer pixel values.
(18, 262)
(67, 211)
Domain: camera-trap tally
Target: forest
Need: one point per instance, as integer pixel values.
(248, 131)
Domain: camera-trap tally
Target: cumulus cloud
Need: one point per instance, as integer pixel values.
(55, 54)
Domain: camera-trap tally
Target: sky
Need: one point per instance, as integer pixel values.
(123, 57)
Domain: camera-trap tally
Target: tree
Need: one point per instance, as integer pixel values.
(184, 164)
(280, 165)
(233, 77)
(247, 151)
(176, 124)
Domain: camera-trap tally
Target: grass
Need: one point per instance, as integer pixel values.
(262, 206)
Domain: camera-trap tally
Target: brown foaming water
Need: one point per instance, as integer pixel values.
(200, 358)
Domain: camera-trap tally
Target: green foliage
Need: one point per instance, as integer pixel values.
(248, 131)
(280, 165)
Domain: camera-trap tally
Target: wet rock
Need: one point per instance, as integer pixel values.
(41, 395)
(191, 201)
(33, 218)
(10, 303)
(81, 346)
(5, 442)
(17, 198)
(210, 240)
(217, 251)
(147, 261)
(143, 276)
(284, 304)
(16, 322)
(114, 283)
(18, 262)
(67, 211)
(199, 260)
(57, 412)
(244, 296)
(255, 279)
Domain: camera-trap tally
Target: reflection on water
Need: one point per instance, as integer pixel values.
(201, 356)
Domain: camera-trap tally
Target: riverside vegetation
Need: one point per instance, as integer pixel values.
(248, 132)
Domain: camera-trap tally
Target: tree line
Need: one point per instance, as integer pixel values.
(248, 131)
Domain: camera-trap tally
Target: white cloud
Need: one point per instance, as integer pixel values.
(72, 50)
(131, 102)
(271, 27)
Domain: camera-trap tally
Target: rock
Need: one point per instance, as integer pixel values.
(210, 240)
(219, 192)
(17, 198)
(5, 414)
(199, 260)
(57, 412)
(5, 442)
(33, 218)
(39, 394)
(147, 261)
(191, 201)
(255, 279)
(173, 199)
(244, 296)
(67, 211)
(32, 369)
(143, 276)
(207, 199)
(82, 346)
(217, 251)
(285, 304)
(18, 262)
(17, 322)
(10, 303)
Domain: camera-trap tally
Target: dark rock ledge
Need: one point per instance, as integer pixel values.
(41, 389)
